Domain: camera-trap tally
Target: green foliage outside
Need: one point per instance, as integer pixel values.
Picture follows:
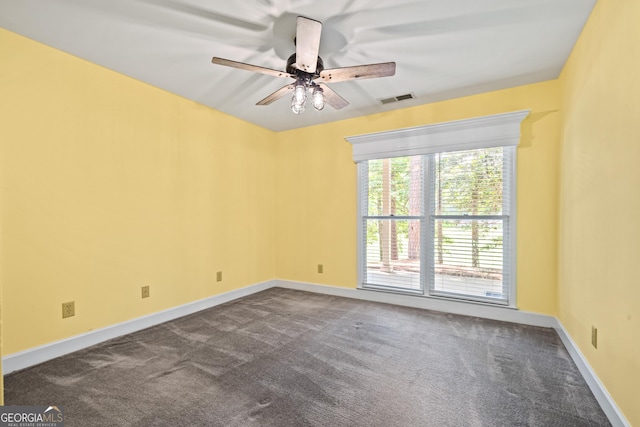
(466, 183)
(470, 183)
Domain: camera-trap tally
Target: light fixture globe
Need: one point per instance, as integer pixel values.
(297, 108)
(299, 99)
(300, 92)
(318, 98)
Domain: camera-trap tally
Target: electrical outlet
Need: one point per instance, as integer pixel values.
(68, 309)
(219, 276)
(145, 292)
(594, 336)
(320, 268)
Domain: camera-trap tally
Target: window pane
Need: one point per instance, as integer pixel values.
(468, 257)
(466, 244)
(395, 186)
(469, 182)
(393, 253)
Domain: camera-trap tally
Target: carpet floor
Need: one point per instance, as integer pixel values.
(290, 358)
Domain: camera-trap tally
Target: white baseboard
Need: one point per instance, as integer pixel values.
(598, 389)
(601, 394)
(485, 311)
(36, 355)
(33, 356)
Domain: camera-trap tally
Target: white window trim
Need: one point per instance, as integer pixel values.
(499, 130)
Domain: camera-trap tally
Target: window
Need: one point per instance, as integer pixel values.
(393, 221)
(469, 223)
(436, 220)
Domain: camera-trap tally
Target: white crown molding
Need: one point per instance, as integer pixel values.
(498, 130)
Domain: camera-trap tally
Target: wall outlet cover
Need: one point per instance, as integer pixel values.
(68, 309)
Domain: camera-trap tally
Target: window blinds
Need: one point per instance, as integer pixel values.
(470, 224)
(435, 205)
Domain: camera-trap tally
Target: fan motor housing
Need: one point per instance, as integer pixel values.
(291, 69)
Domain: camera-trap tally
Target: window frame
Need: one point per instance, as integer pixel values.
(363, 186)
(508, 233)
(500, 130)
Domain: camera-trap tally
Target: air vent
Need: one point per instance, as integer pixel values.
(398, 98)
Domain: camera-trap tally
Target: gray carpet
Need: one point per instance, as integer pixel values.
(291, 358)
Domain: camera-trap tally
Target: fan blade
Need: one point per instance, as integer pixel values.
(277, 94)
(208, 14)
(307, 44)
(332, 98)
(249, 67)
(370, 71)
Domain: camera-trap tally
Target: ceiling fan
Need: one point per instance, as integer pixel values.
(306, 67)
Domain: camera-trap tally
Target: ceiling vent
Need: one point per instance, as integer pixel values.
(398, 98)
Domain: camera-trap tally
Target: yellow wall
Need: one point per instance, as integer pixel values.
(599, 237)
(316, 182)
(109, 184)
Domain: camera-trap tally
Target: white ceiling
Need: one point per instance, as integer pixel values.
(443, 48)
